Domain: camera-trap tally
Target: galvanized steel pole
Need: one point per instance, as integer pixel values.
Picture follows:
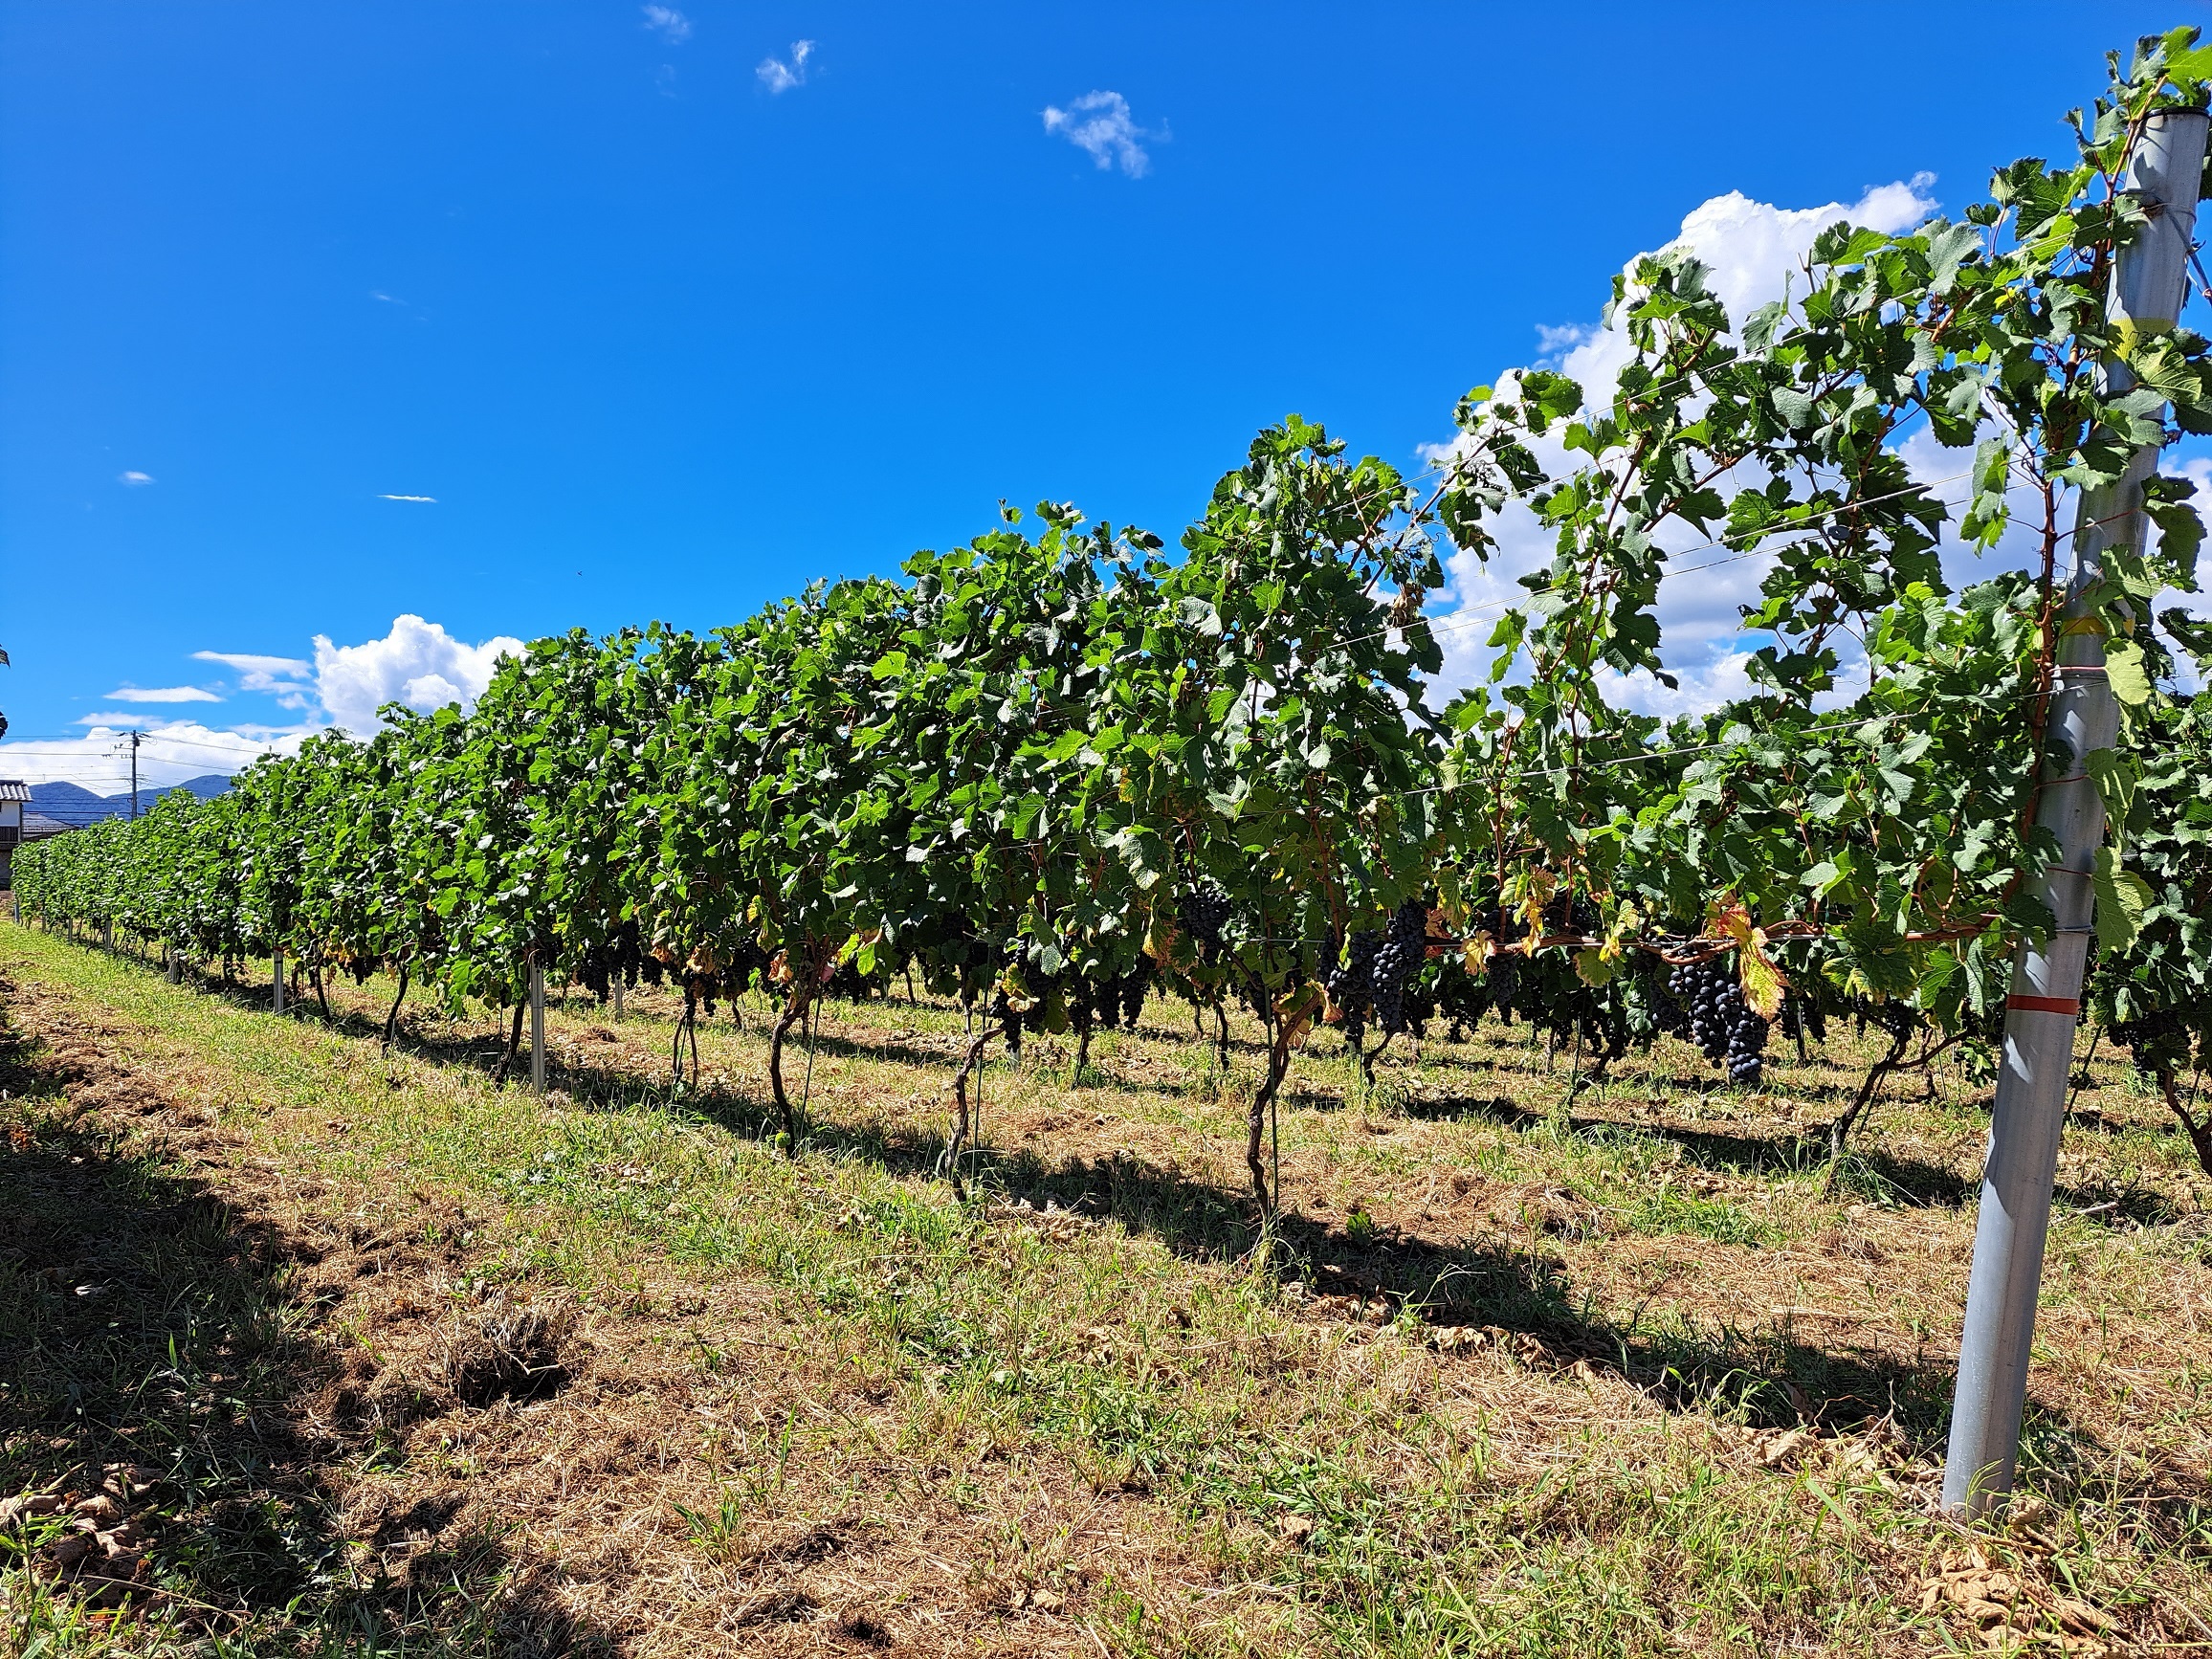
(2044, 1005)
(538, 1030)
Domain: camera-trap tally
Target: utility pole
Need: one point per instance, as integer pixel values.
(2044, 1005)
(134, 743)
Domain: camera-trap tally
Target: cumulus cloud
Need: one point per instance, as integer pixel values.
(1751, 249)
(418, 663)
(777, 76)
(134, 481)
(1099, 123)
(668, 23)
(161, 694)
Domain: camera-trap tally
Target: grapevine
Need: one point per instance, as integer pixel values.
(1058, 769)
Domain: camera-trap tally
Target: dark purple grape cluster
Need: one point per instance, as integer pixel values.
(1397, 960)
(1371, 979)
(1501, 979)
(1203, 913)
(1803, 1013)
(2152, 1037)
(1120, 999)
(1004, 1014)
(1721, 1024)
(620, 958)
(1350, 982)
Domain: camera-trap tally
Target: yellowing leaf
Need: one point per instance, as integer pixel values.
(1536, 889)
(1296, 1008)
(1016, 992)
(1627, 923)
(1763, 982)
(1761, 978)
(1160, 938)
(1476, 951)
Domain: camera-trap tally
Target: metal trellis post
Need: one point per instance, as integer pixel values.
(2045, 1004)
(538, 1030)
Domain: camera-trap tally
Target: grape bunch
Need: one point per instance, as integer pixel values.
(1721, 1023)
(1502, 978)
(1006, 1015)
(1350, 984)
(2154, 1039)
(619, 958)
(1397, 960)
(1801, 1011)
(1128, 993)
(1202, 913)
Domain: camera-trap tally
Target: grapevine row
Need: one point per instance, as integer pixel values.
(1050, 770)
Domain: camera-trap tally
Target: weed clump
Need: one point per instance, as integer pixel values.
(506, 1349)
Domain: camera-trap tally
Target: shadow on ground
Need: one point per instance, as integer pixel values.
(1767, 1373)
(144, 1322)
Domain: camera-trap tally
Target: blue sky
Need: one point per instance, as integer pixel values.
(668, 315)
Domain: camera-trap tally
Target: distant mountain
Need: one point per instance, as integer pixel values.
(72, 804)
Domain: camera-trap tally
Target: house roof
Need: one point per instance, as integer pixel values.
(38, 825)
(14, 789)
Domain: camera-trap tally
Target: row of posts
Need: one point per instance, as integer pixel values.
(172, 960)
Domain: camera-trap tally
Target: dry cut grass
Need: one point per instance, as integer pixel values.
(363, 1355)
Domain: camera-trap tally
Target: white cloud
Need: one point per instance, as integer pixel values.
(780, 76)
(380, 293)
(1553, 343)
(1098, 124)
(258, 672)
(283, 678)
(418, 663)
(162, 694)
(432, 499)
(1751, 249)
(135, 480)
(669, 22)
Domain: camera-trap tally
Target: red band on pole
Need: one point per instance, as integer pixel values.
(2043, 1004)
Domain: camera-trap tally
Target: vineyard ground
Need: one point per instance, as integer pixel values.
(426, 1365)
